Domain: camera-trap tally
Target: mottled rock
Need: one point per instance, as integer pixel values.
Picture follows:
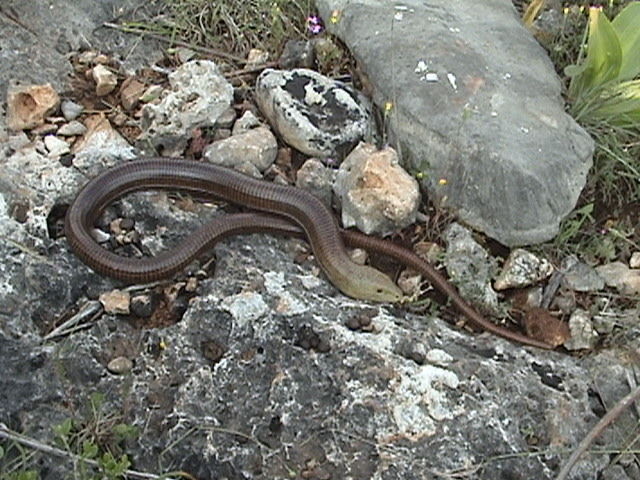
(470, 267)
(316, 178)
(198, 95)
(522, 269)
(27, 107)
(583, 335)
(374, 192)
(314, 114)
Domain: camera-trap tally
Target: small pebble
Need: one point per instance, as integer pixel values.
(72, 129)
(105, 79)
(120, 365)
(143, 306)
(55, 146)
(127, 223)
(583, 335)
(116, 302)
(247, 121)
(71, 110)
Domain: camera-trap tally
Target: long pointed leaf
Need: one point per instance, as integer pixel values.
(604, 54)
(627, 27)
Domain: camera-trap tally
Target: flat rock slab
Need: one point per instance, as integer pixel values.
(476, 109)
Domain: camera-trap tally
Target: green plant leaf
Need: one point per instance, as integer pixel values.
(603, 61)
(64, 429)
(89, 450)
(627, 28)
(620, 105)
(604, 54)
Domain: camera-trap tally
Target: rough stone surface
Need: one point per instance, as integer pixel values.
(375, 193)
(621, 277)
(583, 335)
(105, 79)
(491, 137)
(199, 94)
(318, 179)
(257, 147)
(27, 107)
(314, 114)
(470, 267)
(580, 277)
(521, 269)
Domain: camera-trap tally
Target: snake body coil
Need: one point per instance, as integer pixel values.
(296, 213)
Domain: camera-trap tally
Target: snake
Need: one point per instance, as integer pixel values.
(276, 208)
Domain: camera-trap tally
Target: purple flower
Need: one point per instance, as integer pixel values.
(314, 24)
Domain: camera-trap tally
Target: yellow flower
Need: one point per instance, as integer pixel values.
(335, 16)
(442, 182)
(388, 106)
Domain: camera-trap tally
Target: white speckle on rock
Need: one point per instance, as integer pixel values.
(245, 306)
(439, 357)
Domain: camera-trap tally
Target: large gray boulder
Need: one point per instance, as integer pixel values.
(476, 109)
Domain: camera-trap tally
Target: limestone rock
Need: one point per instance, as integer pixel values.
(56, 146)
(521, 269)
(469, 266)
(27, 107)
(199, 94)
(315, 178)
(72, 129)
(256, 148)
(621, 277)
(480, 116)
(314, 114)
(100, 146)
(71, 110)
(131, 92)
(374, 192)
(116, 302)
(579, 276)
(106, 80)
(583, 335)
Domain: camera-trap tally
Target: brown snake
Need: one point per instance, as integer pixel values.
(297, 213)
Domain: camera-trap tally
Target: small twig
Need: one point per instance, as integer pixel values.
(247, 71)
(604, 422)
(90, 310)
(25, 249)
(173, 41)
(10, 435)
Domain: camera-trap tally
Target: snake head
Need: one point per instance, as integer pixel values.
(371, 284)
